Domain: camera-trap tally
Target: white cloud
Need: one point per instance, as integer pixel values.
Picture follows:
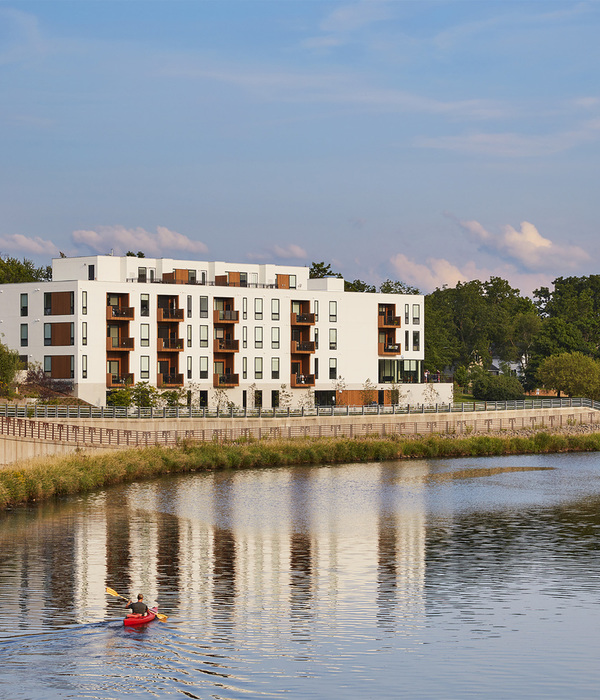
(290, 251)
(526, 247)
(120, 239)
(437, 272)
(17, 243)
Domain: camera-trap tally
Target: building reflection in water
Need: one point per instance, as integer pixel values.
(279, 544)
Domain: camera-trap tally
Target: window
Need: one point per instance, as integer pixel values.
(316, 367)
(47, 303)
(316, 338)
(258, 309)
(145, 367)
(144, 335)
(254, 279)
(316, 308)
(91, 272)
(191, 277)
(203, 276)
(333, 338)
(24, 304)
(24, 335)
(84, 366)
(258, 367)
(84, 333)
(292, 281)
(275, 338)
(72, 334)
(47, 365)
(416, 313)
(333, 311)
(416, 339)
(189, 367)
(296, 307)
(84, 303)
(203, 336)
(144, 305)
(204, 368)
(406, 340)
(47, 334)
(142, 274)
(244, 336)
(275, 398)
(203, 307)
(275, 309)
(258, 337)
(406, 313)
(244, 308)
(274, 368)
(332, 368)
(243, 279)
(189, 336)
(244, 368)
(189, 306)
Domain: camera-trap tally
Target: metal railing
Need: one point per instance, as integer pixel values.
(119, 412)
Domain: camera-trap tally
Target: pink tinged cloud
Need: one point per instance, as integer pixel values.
(290, 251)
(17, 243)
(120, 240)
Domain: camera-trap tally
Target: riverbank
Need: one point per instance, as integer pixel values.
(60, 476)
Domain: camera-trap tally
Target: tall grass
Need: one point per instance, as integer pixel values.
(78, 473)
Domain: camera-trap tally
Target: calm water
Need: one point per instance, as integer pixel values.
(430, 579)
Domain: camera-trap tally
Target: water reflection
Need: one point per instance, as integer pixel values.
(339, 568)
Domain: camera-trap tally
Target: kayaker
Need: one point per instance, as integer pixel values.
(140, 608)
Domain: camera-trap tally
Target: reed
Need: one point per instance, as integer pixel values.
(79, 473)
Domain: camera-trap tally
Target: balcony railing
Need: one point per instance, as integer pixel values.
(122, 313)
(222, 345)
(390, 349)
(120, 343)
(300, 381)
(169, 314)
(387, 321)
(300, 346)
(166, 380)
(116, 380)
(302, 319)
(169, 344)
(226, 316)
(225, 380)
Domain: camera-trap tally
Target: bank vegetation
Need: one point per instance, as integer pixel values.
(54, 477)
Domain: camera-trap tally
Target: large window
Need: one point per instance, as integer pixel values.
(244, 308)
(416, 340)
(258, 337)
(275, 309)
(189, 336)
(275, 338)
(292, 281)
(189, 306)
(203, 307)
(24, 335)
(258, 368)
(274, 368)
(333, 368)
(84, 333)
(244, 368)
(84, 366)
(204, 368)
(316, 308)
(145, 335)
(189, 367)
(333, 312)
(84, 303)
(145, 367)
(144, 305)
(258, 309)
(244, 336)
(406, 313)
(333, 338)
(47, 334)
(416, 313)
(24, 304)
(203, 336)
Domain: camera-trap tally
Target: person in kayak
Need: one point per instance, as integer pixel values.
(140, 608)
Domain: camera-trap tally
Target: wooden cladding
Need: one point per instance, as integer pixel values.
(282, 281)
(59, 366)
(59, 303)
(60, 334)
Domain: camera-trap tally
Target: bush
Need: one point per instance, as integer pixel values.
(488, 387)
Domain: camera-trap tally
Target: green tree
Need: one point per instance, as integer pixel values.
(358, 286)
(13, 270)
(322, 269)
(144, 395)
(397, 287)
(10, 364)
(502, 387)
(120, 397)
(572, 373)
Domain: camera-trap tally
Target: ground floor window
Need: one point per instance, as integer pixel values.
(400, 371)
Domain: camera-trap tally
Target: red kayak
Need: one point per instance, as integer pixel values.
(137, 619)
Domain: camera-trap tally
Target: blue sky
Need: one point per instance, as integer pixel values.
(422, 141)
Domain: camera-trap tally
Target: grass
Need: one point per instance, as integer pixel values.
(78, 473)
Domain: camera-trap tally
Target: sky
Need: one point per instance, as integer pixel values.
(428, 142)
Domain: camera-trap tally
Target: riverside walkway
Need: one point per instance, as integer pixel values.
(34, 431)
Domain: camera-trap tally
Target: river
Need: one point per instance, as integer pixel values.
(461, 578)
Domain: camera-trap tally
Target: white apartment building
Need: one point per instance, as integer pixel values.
(215, 329)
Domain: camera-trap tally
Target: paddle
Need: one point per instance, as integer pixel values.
(111, 591)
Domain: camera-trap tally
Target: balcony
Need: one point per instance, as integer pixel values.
(120, 313)
(169, 380)
(302, 319)
(226, 380)
(222, 345)
(302, 346)
(175, 344)
(225, 316)
(118, 381)
(169, 315)
(301, 381)
(120, 344)
(389, 348)
(389, 321)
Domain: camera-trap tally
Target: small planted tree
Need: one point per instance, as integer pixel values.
(339, 387)
(285, 396)
(144, 395)
(367, 393)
